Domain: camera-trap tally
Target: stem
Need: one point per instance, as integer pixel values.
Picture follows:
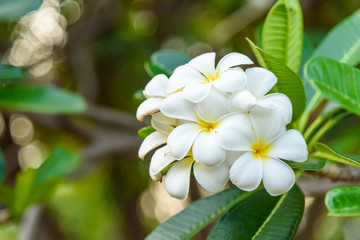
(307, 112)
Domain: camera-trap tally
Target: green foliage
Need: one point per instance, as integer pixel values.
(139, 96)
(262, 216)
(145, 131)
(152, 69)
(11, 10)
(41, 99)
(339, 82)
(343, 201)
(10, 74)
(198, 215)
(342, 43)
(282, 35)
(2, 167)
(326, 152)
(312, 164)
(288, 82)
(168, 60)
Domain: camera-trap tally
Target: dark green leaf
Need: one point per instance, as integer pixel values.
(342, 43)
(13, 9)
(288, 83)
(10, 74)
(168, 59)
(197, 215)
(145, 131)
(262, 217)
(343, 201)
(41, 99)
(2, 167)
(326, 152)
(339, 82)
(139, 96)
(312, 164)
(152, 69)
(282, 35)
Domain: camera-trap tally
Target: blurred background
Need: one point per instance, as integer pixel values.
(98, 49)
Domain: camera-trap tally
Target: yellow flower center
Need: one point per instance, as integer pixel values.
(212, 76)
(260, 149)
(207, 126)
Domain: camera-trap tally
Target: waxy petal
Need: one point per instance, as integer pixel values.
(289, 146)
(242, 101)
(151, 142)
(231, 60)
(182, 76)
(278, 102)
(147, 107)
(156, 87)
(160, 160)
(206, 150)
(163, 128)
(246, 172)
(196, 92)
(181, 139)
(175, 106)
(231, 80)
(161, 118)
(177, 179)
(232, 156)
(205, 63)
(211, 178)
(260, 81)
(278, 177)
(213, 107)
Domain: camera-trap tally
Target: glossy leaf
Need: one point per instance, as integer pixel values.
(41, 99)
(262, 216)
(339, 82)
(342, 43)
(312, 164)
(288, 83)
(2, 167)
(328, 153)
(152, 69)
(168, 60)
(10, 74)
(145, 131)
(343, 201)
(282, 35)
(13, 9)
(197, 215)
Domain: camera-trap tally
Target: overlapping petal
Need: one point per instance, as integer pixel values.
(211, 178)
(231, 80)
(213, 107)
(151, 142)
(206, 150)
(243, 101)
(260, 81)
(182, 76)
(204, 63)
(280, 103)
(196, 92)
(156, 87)
(231, 60)
(161, 159)
(147, 107)
(175, 106)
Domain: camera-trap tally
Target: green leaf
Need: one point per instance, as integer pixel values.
(168, 60)
(41, 99)
(152, 69)
(262, 216)
(13, 9)
(326, 152)
(6, 195)
(139, 96)
(312, 164)
(342, 43)
(10, 74)
(339, 82)
(145, 131)
(343, 201)
(2, 167)
(288, 83)
(197, 215)
(282, 35)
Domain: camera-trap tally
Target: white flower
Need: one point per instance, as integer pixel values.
(266, 142)
(197, 77)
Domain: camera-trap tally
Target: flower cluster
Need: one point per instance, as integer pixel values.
(219, 122)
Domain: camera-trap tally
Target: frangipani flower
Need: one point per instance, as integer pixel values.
(265, 142)
(197, 77)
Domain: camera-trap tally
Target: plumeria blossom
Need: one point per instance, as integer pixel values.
(197, 77)
(264, 141)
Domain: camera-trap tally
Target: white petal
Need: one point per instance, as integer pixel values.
(279, 102)
(289, 146)
(175, 106)
(211, 178)
(181, 139)
(260, 81)
(205, 63)
(177, 179)
(196, 92)
(206, 150)
(163, 128)
(161, 159)
(147, 107)
(278, 177)
(161, 118)
(246, 172)
(151, 142)
(267, 123)
(231, 80)
(156, 87)
(213, 107)
(182, 76)
(234, 132)
(242, 101)
(232, 156)
(231, 60)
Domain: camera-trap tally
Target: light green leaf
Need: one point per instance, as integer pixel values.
(168, 60)
(343, 201)
(262, 216)
(342, 43)
(339, 82)
(139, 96)
(198, 215)
(2, 167)
(145, 131)
(312, 164)
(326, 152)
(282, 35)
(6, 195)
(41, 99)
(14, 9)
(10, 74)
(288, 83)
